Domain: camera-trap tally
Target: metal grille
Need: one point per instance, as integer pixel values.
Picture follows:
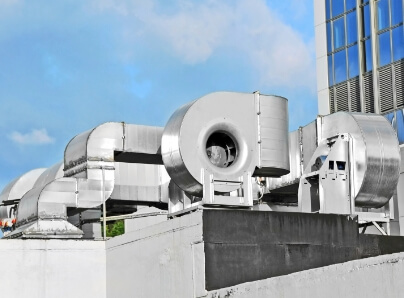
(399, 82)
(332, 102)
(355, 95)
(386, 89)
(368, 92)
(341, 92)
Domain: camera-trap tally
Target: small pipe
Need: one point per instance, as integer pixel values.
(104, 222)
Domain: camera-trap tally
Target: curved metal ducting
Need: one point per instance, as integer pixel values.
(374, 157)
(90, 173)
(227, 134)
(16, 189)
(130, 152)
(50, 174)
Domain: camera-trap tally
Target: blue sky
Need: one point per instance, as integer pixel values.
(67, 66)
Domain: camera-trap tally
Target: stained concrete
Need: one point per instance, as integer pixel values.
(380, 276)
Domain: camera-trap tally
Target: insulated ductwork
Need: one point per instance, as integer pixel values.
(226, 134)
(96, 163)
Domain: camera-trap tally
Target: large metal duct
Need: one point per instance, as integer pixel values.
(90, 172)
(227, 134)
(15, 190)
(130, 152)
(375, 155)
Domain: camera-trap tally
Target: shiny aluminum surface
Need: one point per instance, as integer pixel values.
(255, 124)
(17, 188)
(295, 164)
(91, 175)
(50, 174)
(375, 159)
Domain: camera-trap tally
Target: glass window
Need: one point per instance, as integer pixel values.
(368, 55)
(366, 20)
(353, 61)
(330, 75)
(352, 31)
(339, 33)
(337, 7)
(390, 117)
(350, 4)
(400, 126)
(383, 14)
(340, 66)
(398, 43)
(329, 37)
(327, 10)
(396, 12)
(384, 48)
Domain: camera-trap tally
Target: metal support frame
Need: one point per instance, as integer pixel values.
(243, 198)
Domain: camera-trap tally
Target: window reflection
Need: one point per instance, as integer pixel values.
(340, 66)
(337, 7)
(398, 43)
(368, 55)
(400, 126)
(329, 48)
(330, 75)
(383, 14)
(384, 48)
(366, 20)
(339, 33)
(327, 9)
(350, 4)
(353, 61)
(351, 27)
(396, 12)
(390, 117)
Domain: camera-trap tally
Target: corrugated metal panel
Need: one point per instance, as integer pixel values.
(386, 90)
(399, 82)
(354, 95)
(341, 92)
(368, 92)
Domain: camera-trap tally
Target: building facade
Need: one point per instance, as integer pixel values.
(360, 66)
(360, 51)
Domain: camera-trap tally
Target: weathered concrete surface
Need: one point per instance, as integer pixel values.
(52, 268)
(163, 260)
(371, 277)
(256, 245)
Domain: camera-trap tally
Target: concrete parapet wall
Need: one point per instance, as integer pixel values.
(163, 260)
(52, 268)
(380, 276)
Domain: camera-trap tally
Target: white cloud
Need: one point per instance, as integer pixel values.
(35, 137)
(195, 31)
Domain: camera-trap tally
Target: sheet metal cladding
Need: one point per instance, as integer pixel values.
(376, 155)
(226, 134)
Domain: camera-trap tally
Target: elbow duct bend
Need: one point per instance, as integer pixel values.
(88, 177)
